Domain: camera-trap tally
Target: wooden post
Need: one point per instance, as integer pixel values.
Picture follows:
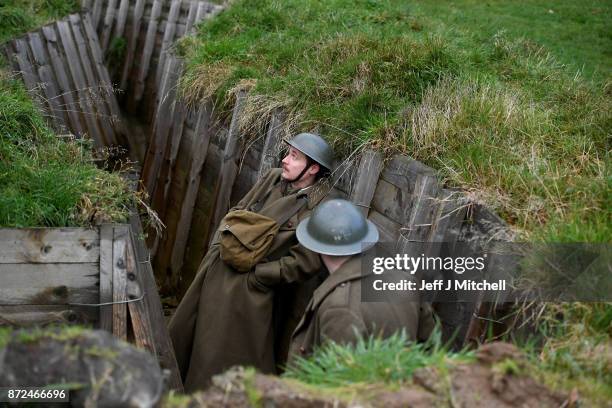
(270, 151)
(47, 79)
(70, 105)
(106, 276)
(138, 311)
(200, 149)
(124, 7)
(175, 8)
(147, 52)
(79, 81)
(108, 24)
(95, 85)
(120, 282)
(193, 7)
(368, 172)
(163, 122)
(132, 42)
(163, 344)
(111, 100)
(96, 13)
(229, 167)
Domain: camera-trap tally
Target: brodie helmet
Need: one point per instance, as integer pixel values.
(337, 227)
(314, 147)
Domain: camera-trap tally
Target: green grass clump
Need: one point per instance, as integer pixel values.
(46, 180)
(371, 360)
(20, 16)
(489, 95)
(577, 349)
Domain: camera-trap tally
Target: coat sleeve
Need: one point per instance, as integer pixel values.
(341, 325)
(298, 265)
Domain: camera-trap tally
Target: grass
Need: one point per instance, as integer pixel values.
(508, 100)
(371, 360)
(47, 180)
(488, 94)
(20, 16)
(577, 351)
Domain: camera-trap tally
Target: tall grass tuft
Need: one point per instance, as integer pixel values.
(371, 360)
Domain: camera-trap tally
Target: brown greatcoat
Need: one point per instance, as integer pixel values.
(336, 313)
(228, 318)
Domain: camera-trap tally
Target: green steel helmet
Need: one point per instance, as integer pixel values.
(315, 147)
(337, 227)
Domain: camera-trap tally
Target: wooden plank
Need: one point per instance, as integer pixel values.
(343, 175)
(391, 201)
(111, 100)
(451, 212)
(157, 149)
(229, 167)
(96, 14)
(106, 276)
(175, 140)
(200, 149)
(122, 15)
(27, 71)
(402, 171)
(120, 237)
(270, 153)
(45, 284)
(147, 52)
(41, 315)
(109, 18)
(164, 348)
(75, 69)
(48, 245)
(368, 172)
(167, 39)
(201, 13)
(139, 316)
(47, 79)
(191, 15)
(388, 229)
(94, 84)
(132, 42)
(421, 217)
(66, 91)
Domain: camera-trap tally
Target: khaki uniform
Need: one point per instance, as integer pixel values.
(336, 313)
(228, 318)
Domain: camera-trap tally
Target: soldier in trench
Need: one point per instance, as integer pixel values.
(230, 317)
(340, 233)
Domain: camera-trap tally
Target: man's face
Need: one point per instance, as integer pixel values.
(293, 164)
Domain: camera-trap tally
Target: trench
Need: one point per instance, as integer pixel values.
(113, 67)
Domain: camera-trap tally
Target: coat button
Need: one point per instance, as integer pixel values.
(290, 224)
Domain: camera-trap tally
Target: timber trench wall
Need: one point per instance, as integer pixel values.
(197, 165)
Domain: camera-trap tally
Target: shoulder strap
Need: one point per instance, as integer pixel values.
(284, 217)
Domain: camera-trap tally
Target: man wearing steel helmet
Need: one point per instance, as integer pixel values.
(340, 233)
(228, 317)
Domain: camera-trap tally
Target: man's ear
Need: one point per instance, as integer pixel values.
(314, 169)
